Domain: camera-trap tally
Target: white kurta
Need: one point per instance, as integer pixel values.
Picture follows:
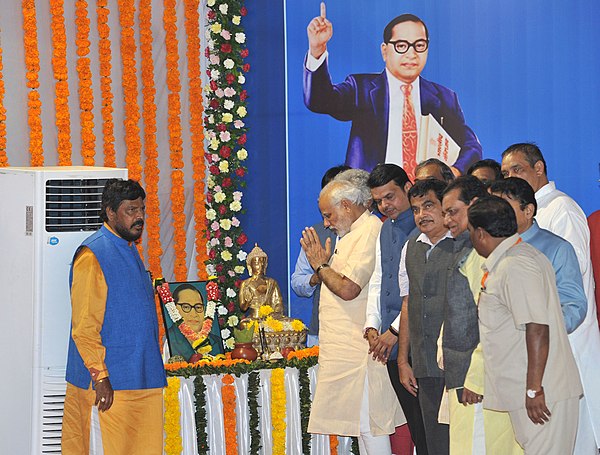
(343, 352)
(561, 215)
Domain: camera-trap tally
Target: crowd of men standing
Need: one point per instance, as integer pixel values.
(472, 302)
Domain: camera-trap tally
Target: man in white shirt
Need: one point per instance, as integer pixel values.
(377, 104)
(560, 214)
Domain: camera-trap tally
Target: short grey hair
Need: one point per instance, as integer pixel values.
(350, 185)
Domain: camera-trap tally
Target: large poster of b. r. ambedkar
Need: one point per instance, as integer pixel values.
(385, 108)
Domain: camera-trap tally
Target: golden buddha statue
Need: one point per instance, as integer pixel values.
(259, 290)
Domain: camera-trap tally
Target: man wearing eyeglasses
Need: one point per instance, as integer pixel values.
(385, 108)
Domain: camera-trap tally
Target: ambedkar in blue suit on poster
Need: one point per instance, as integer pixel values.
(375, 103)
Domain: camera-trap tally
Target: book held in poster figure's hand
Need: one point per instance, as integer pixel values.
(435, 142)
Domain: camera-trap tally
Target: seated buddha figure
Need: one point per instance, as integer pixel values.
(259, 290)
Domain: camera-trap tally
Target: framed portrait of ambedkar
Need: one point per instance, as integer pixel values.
(191, 322)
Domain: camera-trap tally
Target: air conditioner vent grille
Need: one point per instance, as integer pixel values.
(73, 205)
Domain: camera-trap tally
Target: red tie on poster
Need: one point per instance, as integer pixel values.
(409, 134)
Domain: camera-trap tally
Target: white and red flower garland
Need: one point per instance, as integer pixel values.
(197, 339)
(226, 136)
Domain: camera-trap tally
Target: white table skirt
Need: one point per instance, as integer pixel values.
(214, 417)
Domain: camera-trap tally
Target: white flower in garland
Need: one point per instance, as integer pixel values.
(241, 79)
(211, 214)
(172, 310)
(226, 255)
(231, 293)
(210, 268)
(225, 333)
(242, 154)
(235, 206)
(236, 20)
(224, 166)
(221, 310)
(214, 241)
(242, 255)
(237, 195)
(211, 119)
(215, 75)
(240, 38)
(225, 224)
(233, 320)
(223, 8)
(220, 197)
(228, 104)
(230, 343)
(228, 63)
(239, 269)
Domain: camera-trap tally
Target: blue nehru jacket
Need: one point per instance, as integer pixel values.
(394, 234)
(569, 282)
(130, 328)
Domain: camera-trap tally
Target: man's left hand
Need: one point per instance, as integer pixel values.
(104, 394)
(315, 253)
(383, 346)
(537, 410)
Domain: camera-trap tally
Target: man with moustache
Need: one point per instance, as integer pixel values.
(389, 186)
(525, 347)
(385, 109)
(561, 215)
(473, 430)
(519, 194)
(353, 390)
(114, 360)
(422, 276)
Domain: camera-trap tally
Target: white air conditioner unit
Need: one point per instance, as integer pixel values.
(45, 213)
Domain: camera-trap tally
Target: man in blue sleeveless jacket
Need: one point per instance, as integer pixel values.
(114, 359)
(389, 186)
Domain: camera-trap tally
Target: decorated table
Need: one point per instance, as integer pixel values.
(223, 406)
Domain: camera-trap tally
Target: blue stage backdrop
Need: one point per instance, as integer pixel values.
(523, 71)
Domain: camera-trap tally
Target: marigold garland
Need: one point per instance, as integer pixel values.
(130, 91)
(229, 415)
(86, 93)
(151, 170)
(173, 442)
(3, 158)
(225, 110)
(333, 444)
(32, 65)
(175, 141)
(61, 88)
(105, 66)
(278, 413)
(192, 29)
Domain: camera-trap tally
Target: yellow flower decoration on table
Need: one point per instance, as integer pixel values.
(264, 311)
(297, 325)
(278, 403)
(274, 324)
(173, 443)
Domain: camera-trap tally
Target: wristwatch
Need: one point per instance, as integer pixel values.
(535, 393)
